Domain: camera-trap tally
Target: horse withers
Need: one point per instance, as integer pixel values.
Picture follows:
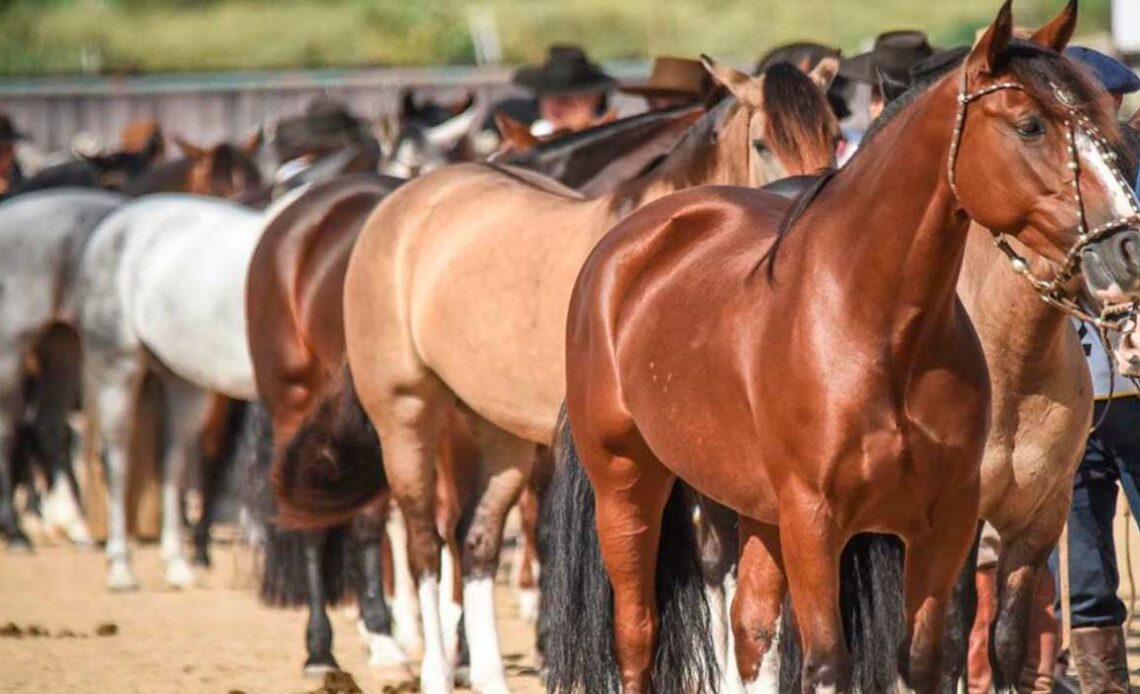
(797, 369)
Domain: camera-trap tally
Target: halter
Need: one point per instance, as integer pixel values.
(1117, 316)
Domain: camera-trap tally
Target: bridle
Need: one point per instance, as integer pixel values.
(1118, 316)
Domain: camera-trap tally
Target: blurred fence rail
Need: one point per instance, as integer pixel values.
(210, 107)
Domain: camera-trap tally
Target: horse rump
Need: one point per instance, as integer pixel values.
(332, 467)
(577, 599)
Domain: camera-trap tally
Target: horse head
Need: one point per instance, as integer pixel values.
(1034, 156)
(225, 170)
(777, 125)
(426, 137)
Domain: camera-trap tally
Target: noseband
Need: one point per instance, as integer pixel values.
(1113, 316)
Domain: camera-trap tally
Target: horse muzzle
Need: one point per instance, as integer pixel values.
(1111, 266)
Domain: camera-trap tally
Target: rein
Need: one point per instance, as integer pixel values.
(1117, 316)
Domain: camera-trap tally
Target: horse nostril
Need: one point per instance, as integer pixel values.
(1128, 251)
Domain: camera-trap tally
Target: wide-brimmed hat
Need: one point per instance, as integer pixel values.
(8, 132)
(672, 77)
(567, 70)
(892, 55)
(1114, 76)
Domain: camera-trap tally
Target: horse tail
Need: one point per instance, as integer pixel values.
(332, 466)
(870, 597)
(578, 599)
(283, 578)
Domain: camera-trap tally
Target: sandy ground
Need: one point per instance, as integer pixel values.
(213, 638)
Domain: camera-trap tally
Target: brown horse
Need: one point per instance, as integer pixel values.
(457, 290)
(804, 378)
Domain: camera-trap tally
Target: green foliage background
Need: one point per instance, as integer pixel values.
(71, 36)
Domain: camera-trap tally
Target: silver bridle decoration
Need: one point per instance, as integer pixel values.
(1117, 316)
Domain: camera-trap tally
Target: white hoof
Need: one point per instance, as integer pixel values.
(179, 574)
(318, 671)
(120, 578)
(387, 659)
(528, 605)
(406, 627)
(78, 534)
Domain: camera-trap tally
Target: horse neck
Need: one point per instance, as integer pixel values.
(887, 228)
(691, 164)
(1018, 350)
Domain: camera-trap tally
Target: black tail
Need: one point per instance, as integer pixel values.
(283, 579)
(871, 598)
(578, 600)
(874, 618)
(332, 467)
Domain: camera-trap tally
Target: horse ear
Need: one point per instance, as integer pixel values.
(1057, 33)
(514, 133)
(988, 53)
(823, 74)
(891, 89)
(608, 117)
(749, 90)
(252, 143)
(408, 108)
(191, 151)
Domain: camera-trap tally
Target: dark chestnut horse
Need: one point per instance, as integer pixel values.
(818, 379)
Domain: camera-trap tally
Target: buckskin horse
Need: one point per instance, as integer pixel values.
(797, 369)
(448, 301)
(294, 291)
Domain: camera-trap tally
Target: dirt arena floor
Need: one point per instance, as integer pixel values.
(61, 631)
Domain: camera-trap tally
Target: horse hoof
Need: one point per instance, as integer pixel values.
(121, 579)
(317, 666)
(78, 535)
(436, 680)
(202, 558)
(18, 543)
(528, 605)
(179, 574)
(409, 641)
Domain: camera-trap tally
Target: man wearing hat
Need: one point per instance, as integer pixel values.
(11, 175)
(1116, 77)
(673, 82)
(571, 91)
(888, 62)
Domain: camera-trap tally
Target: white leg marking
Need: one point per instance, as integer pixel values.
(436, 676)
(487, 676)
(449, 612)
(405, 609)
(384, 654)
(61, 512)
(178, 571)
(768, 680)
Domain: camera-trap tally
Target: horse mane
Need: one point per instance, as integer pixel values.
(798, 115)
(1039, 70)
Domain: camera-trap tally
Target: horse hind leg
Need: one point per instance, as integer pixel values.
(506, 462)
(716, 530)
(11, 408)
(183, 412)
(761, 587)
(385, 655)
(318, 630)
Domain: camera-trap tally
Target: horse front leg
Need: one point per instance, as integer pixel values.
(811, 544)
(318, 630)
(716, 533)
(933, 567)
(184, 408)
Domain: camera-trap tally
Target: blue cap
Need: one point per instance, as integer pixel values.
(1115, 76)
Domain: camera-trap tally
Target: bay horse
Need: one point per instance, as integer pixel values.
(466, 303)
(791, 366)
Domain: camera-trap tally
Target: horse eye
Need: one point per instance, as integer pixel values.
(760, 146)
(1031, 127)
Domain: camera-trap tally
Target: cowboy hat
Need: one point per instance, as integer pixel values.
(892, 55)
(567, 70)
(8, 132)
(672, 77)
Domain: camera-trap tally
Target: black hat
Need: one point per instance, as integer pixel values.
(8, 132)
(893, 55)
(567, 70)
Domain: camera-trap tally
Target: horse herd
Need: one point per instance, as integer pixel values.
(715, 403)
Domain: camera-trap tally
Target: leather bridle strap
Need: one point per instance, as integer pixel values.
(1052, 291)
